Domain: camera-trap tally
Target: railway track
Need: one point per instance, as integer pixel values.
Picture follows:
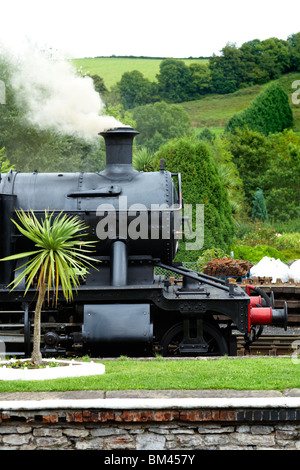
(270, 345)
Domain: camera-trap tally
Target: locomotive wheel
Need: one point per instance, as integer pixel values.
(217, 345)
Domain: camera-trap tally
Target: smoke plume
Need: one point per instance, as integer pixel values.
(55, 97)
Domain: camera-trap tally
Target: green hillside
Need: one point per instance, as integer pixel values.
(214, 111)
(111, 69)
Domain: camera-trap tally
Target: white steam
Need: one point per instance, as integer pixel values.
(56, 98)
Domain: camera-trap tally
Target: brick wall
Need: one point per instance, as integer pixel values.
(210, 429)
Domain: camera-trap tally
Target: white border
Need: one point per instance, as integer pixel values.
(71, 369)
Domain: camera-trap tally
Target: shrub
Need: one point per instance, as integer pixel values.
(291, 254)
(271, 163)
(287, 241)
(255, 253)
(251, 156)
(280, 181)
(259, 234)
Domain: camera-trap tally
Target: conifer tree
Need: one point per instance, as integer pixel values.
(268, 113)
(259, 208)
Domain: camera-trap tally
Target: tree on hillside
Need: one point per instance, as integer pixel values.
(136, 90)
(254, 62)
(275, 57)
(159, 123)
(251, 55)
(207, 135)
(200, 81)
(99, 84)
(227, 70)
(294, 45)
(269, 112)
(173, 80)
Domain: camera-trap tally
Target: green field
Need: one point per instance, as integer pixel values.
(111, 69)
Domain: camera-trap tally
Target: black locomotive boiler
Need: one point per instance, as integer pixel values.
(123, 307)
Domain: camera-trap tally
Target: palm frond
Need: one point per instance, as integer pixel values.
(61, 253)
(143, 160)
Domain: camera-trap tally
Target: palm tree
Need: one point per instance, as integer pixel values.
(143, 160)
(59, 260)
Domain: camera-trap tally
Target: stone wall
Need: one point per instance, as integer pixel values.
(198, 429)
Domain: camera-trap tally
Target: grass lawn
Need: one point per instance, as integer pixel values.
(259, 373)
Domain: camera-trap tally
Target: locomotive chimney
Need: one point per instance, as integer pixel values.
(118, 143)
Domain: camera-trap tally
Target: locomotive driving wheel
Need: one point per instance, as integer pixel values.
(216, 343)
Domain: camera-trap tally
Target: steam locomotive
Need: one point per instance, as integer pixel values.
(123, 307)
